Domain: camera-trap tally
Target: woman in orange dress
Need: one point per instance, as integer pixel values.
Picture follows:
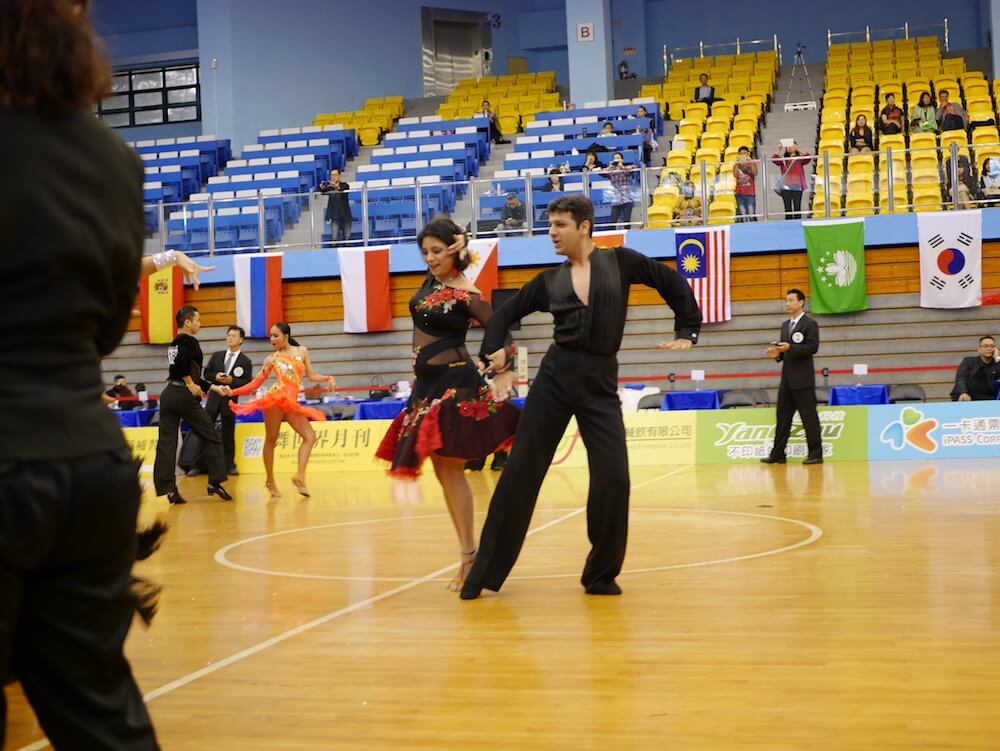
(290, 365)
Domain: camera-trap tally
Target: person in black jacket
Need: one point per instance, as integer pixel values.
(977, 376)
(181, 400)
(798, 342)
(578, 377)
(704, 92)
(229, 367)
(72, 228)
(338, 208)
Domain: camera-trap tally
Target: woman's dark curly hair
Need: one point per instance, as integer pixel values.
(444, 229)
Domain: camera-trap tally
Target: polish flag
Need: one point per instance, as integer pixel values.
(609, 238)
(483, 270)
(364, 280)
(259, 302)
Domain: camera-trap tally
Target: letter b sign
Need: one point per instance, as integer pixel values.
(585, 32)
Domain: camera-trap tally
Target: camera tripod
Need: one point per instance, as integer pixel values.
(799, 67)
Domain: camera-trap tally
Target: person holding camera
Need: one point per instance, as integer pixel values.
(620, 178)
(792, 161)
(745, 172)
(338, 208)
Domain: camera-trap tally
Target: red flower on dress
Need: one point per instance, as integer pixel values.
(444, 297)
(481, 407)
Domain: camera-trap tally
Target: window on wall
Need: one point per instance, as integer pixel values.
(153, 96)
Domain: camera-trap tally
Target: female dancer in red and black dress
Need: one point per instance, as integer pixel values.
(291, 365)
(452, 414)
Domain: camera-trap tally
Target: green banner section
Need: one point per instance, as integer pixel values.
(746, 435)
(836, 252)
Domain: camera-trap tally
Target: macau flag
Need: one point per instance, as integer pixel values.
(161, 295)
(836, 251)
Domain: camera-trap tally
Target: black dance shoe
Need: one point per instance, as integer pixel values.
(609, 587)
(814, 460)
(219, 491)
(499, 460)
(175, 498)
(774, 460)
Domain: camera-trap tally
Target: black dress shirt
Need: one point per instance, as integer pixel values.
(184, 358)
(596, 328)
(71, 236)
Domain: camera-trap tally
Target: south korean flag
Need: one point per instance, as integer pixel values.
(951, 259)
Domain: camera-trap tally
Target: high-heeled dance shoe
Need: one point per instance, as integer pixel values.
(300, 486)
(272, 489)
(455, 585)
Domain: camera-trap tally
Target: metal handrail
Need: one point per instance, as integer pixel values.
(738, 47)
(892, 32)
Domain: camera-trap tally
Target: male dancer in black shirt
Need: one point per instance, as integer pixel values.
(588, 298)
(181, 399)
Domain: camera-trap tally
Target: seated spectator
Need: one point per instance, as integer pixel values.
(745, 172)
(977, 376)
(989, 180)
(486, 111)
(591, 162)
(968, 190)
(704, 92)
(891, 117)
(512, 215)
(120, 390)
(687, 212)
(860, 136)
(606, 130)
(923, 118)
(554, 185)
(623, 72)
(950, 115)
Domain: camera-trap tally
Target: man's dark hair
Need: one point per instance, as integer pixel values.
(579, 206)
(992, 339)
(234, 327)
(742, 149)
(798, 293)
(943, 92)
(185, 314)
(123, 377)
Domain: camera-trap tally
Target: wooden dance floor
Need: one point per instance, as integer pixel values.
(848, 606)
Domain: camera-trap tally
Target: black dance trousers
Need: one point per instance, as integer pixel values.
(176, 404)
(67, 545)
(569, 383)
(804, 401)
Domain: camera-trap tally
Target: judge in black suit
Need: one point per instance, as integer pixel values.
(977, 376)
(798, 343)
(229, 367)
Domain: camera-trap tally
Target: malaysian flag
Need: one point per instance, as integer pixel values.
(703, 259)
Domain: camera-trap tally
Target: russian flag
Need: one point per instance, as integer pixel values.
(364, 282)
(161, 295)
(259, 303)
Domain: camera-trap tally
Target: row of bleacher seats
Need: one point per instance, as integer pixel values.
(373, 120)
(861, 62)
(516, 99)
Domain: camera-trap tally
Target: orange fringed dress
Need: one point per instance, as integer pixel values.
(284, 393)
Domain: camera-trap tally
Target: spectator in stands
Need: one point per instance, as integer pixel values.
(338, 208)
(687, 212)
(607, 130)
(591, 162)
(891, 117)
(745, 172)
(860, 136)
(923, 118)
(989, 180)
(649, 144)
(72, 228)
(950, 115)
(968, 190)
(977, 376)
(620, 178)
(512, 215)
(623, 71)
(554, 183)
(486, 111)
(704, 92)
(792, 162)
(117, 391)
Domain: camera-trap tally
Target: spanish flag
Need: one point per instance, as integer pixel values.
(161, 295)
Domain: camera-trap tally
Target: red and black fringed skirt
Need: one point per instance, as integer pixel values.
(450, 413)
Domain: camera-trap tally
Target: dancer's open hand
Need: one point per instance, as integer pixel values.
(190, 269)
(501, 386)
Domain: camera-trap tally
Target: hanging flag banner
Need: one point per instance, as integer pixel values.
(259, 300)
(161, 295)
(951, 259)
(836, 251)
(703, 259)
(364, 278)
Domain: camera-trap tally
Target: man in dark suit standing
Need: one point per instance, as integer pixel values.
(338, 208)
(798, 343)
(229, 367)
(977, 376)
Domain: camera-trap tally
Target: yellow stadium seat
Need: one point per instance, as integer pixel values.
(689, 128)
(695, 111)
(679, 158)
(831, 131)
(738, 138)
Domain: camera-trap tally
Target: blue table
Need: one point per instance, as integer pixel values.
(674, 400)
(135, 418)
(844, 395)
(383, 410)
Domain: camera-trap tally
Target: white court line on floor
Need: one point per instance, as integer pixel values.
(268, 643)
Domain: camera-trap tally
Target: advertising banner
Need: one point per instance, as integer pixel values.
(943, 430)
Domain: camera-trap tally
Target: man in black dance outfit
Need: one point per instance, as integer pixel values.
(588, 298)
